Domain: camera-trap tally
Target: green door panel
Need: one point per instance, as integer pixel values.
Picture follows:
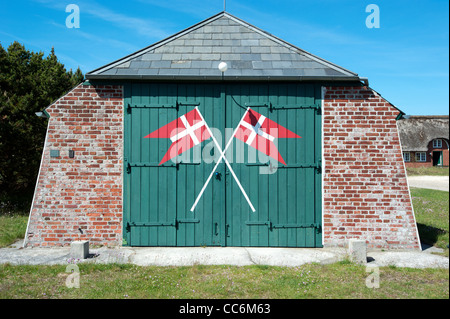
(287, 202)
(158, 199)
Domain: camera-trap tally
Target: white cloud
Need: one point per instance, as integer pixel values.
(144, 27)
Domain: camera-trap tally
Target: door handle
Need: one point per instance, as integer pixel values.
(218, 176)
(216, 229)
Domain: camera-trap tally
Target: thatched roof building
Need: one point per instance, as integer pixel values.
(416, 132)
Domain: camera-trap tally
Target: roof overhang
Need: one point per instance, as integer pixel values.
(227, 78)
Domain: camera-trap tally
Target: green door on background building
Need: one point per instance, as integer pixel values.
(248, 200)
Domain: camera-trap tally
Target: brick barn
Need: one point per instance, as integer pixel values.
(338, 172)
(425, 140)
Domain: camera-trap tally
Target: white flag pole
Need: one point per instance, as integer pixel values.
(222, 156)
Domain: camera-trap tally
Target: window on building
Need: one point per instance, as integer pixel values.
(421, 157)
(407, 156)
(437, 144)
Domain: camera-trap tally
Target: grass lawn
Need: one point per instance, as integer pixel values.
(12, 228)
(14, 211)
(431, 209)
(430, 171)
(337, 281)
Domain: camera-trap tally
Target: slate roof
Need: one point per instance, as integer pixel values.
(417, 131)
(196, 52)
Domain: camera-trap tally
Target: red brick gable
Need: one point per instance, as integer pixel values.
(80, 198)
(366, 194)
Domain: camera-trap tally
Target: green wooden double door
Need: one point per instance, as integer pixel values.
(286, 199)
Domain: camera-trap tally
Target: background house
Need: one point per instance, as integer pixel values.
(425, 140)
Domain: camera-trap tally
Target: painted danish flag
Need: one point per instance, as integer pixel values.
(260, 132)
(185, 132)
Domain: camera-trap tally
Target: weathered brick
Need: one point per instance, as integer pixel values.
(78, 122)
(366, 171)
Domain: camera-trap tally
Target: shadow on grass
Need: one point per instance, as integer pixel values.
(429, 234)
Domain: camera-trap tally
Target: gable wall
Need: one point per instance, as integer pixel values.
(84, 192)
(366, 194)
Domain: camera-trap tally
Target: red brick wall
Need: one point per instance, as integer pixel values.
(366, 194)
(80, 198)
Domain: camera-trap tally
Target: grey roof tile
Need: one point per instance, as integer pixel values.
(124, 65)
(262, 65)
(259, 49)
(241, 65)
(183, 49)
(220, 36)
(203, 49)
(250, 42)
(201, 64)
(292, 72)
(139, 64)
(242, 49)
(191, 56)
(160, 64)
(171, 56)
(210, 72)
(314, 72)
(111, 72)
(169, 71)
(282, 64)
(148, 71)
(151, 57)
(181, 64)
(266, 42)
(270, 57)
(126, 71)
(197, 51)
(221, 49)
(230, 57)
(251, 57)
(210, 57)
(191, 72)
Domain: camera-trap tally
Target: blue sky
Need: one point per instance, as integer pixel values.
(406, 59)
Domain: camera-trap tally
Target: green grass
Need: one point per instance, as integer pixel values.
(431, 208)
(12, 228)
(14, 210)
(430, 171)
(312, 281)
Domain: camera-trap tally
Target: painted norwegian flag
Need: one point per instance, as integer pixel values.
(185, 132)
(260, 132)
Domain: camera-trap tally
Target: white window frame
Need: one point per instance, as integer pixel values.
(437, 143)
(407, 156)
(419, 156)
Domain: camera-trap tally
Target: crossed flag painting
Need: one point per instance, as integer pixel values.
(260, 132)
(185, 132)
(191, 129)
